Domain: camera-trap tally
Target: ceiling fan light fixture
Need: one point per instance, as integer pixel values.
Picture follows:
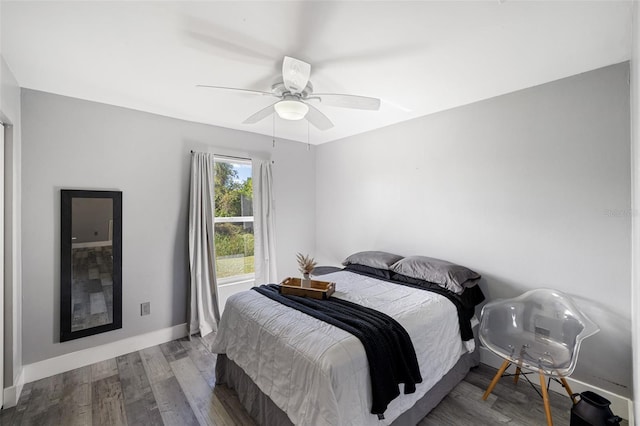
(291, 109)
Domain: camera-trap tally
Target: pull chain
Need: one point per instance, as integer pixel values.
(274, 131)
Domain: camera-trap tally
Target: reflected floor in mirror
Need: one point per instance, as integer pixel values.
(174, 384)
(92, 289)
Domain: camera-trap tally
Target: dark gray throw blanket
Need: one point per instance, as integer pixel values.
(392, 358)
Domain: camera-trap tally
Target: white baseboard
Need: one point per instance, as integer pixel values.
(60, 364)
(92, 244)
(620, 405)
(12, 393)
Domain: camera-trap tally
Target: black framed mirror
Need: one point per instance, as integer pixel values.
(91, 263)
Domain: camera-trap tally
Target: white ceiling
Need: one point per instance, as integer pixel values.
(418, 57)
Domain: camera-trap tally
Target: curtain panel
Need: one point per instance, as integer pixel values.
(264, 224)
(203, 291)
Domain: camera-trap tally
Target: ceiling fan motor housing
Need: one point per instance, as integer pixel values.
(279, 89)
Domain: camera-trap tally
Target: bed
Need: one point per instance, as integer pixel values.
(290, 368)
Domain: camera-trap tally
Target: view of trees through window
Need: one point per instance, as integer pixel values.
(233, 227)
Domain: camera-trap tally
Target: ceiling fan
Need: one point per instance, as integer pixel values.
(295, 91)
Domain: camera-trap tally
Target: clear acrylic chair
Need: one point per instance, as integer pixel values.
(540, 331)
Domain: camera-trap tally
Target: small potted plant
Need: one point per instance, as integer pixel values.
(305, 265)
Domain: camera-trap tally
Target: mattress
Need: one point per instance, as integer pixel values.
(318, 374)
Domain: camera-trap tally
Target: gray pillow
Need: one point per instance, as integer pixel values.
(446, 274)
(374, 259)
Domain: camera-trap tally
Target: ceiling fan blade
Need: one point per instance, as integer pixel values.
(318, 119)
(224, 48)
(295, 74)
(229, 42)
(255, 92)
(260, 115)
(369, 56)
(312, 20)
(349, 101)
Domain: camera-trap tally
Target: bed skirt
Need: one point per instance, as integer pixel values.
(266, 413)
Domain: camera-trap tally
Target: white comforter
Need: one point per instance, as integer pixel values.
(318, 374)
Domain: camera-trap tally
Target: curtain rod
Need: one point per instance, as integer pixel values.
(227, 156)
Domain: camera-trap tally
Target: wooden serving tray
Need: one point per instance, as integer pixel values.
(319, 289)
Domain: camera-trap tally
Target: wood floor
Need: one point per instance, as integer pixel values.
(174, 384)
(91, 287)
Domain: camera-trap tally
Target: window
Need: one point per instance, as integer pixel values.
(233, 223)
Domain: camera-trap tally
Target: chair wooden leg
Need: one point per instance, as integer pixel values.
(517, 376)
(494, 382)
(568, 389)
(545, 399)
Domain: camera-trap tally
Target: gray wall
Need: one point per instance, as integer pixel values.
(75, 144)
(530, 189)
(10, 113)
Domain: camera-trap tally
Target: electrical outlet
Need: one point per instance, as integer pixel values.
(145, 308)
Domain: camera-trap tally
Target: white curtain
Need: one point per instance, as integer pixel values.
(264, 224)
(203, 295)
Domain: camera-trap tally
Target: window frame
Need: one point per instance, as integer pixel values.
(241, 278)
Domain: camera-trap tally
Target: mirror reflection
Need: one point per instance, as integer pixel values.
(91, 263)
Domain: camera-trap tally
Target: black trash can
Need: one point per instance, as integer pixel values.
(592, 410)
